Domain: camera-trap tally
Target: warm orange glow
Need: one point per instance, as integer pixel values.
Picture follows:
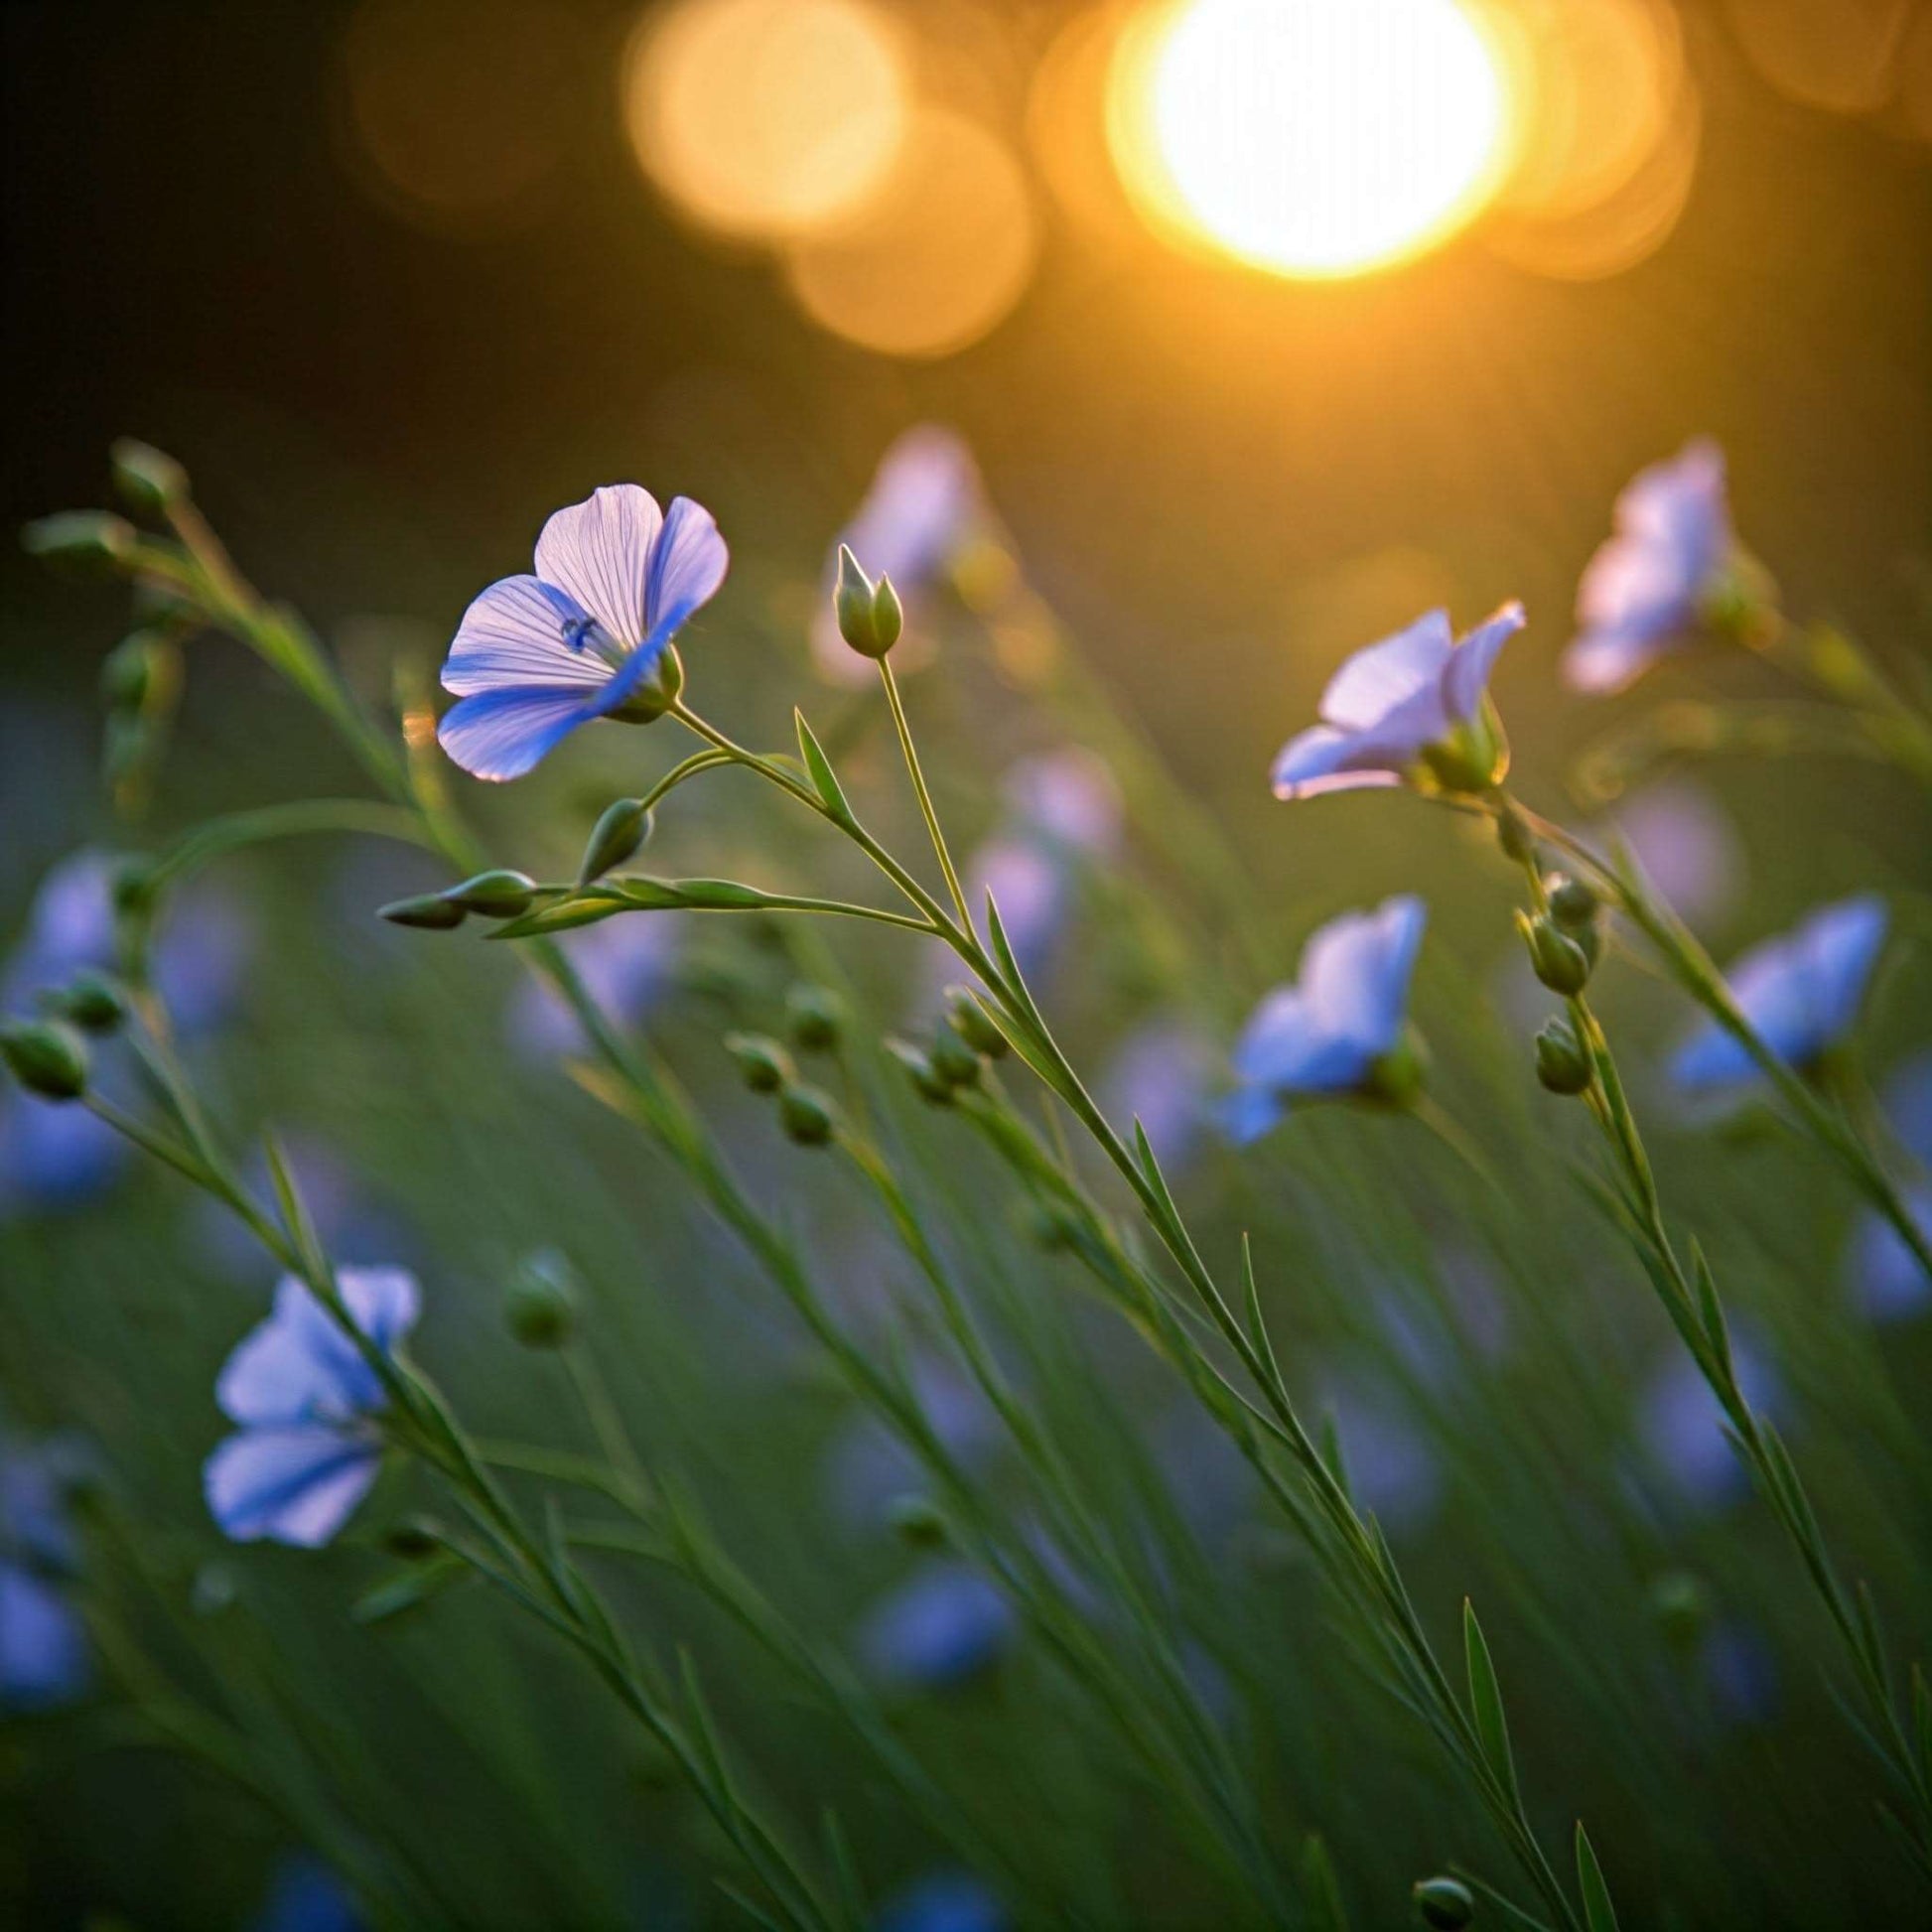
(938, 261)
(1312, 137)
(1835, 54)
(767, 118)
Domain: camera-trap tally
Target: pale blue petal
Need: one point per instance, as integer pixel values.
(1248, 1113)
(1711, 1057)
(1355, 973)
(1603, 662)
(298, 1366)
(503, 733)
(625, 679)
(922, 507)
(42, 1643)
(688, 563)
(293, 1485)
(1324, 759)
(1382, 676)
(940, 1629)
(1841, 946)
(1467, 677)
(384, 1302)
(1888, 1281)
(599, 551)
(1287, 1049)
(514, 634)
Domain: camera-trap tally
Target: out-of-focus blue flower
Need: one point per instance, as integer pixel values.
(1646, 591)
(1392, 1471)
(944, 1901)
(535, 656)
(868, 1468)
(1160, 1076)
(1888, 1279)
(1800, 991)
(922, 509)
(1688, 848)
(1740, 1675)
(938, 1630)
(1412, 705)
(1683, 1427)
(1334, 1030)
(1066, 800)
(304, 1895)
(56, 1158)
(306, 1400)
(626, 965)
(43, 1641)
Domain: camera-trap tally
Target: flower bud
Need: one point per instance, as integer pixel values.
(917, 1520)
(136, 668)
(94, 1002)
(92, 541)
(148, 477)
(1561, 1062)
(46, 1056)
(540, 1305)
(806, 1115)
(497, 894)
(429, 910)
(765, 1065)
(952, 1061)
(814, 1016)
(1396, 1078)
(930, 1088)
(1682, 1606)
(1573, 903)
(1560, 962)
(971, 1022)
(616, 837)
(1446, 1904)
(869, 619)
(412, 1539)
(1514, 835)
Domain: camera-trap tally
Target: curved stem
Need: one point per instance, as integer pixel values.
(909, 752)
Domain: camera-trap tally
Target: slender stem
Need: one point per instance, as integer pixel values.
(910, 754)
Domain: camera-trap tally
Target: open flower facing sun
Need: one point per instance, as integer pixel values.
(1340, 1031)
(588, 637)
(1412, 709)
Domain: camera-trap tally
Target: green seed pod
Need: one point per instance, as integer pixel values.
(1573, 903)
(94, 1002)
(46, 1056)
(540, 1304)
(1561, 1062)
(1446, 1904)
(765, 1065)
(412, 1539)
(918, 1521)
(616, 837)
(131, 670)
(1396, 1078)
(806, 1115)
(952, 1059)
(1560, 962)
(927, 1083)
(888, 615)
(1682, 1606)
(94, 542)
(133, 889)
(1514, 836)
(148, 477)
(497, 894)
(971, 1022)
(814, 1017)
(429, 910)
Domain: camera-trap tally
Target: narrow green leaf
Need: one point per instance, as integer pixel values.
(818, 769)
(1599, 1915)
(407, 1589)
(563, 916)
(1875, 1648)
(1257, 1322)
(1328, 1444)
(1320, 1887)
(1709, 1310)
(295, 1214)
(1487, 1704)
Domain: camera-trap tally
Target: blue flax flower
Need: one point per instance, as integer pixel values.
(1412, 709)
(536, 656)
(1800, 991)
(938, 1630)
(42, 1643)
(309, 1443)
(1652, 584)
(1888, 1281)
(1340, 1029)
(944, 1901)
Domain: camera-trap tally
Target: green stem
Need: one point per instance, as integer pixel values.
(909, 752)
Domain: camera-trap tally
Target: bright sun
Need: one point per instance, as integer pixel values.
(1321, 137)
